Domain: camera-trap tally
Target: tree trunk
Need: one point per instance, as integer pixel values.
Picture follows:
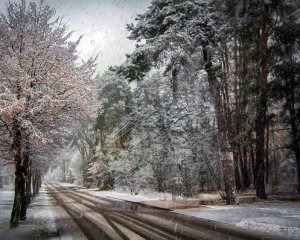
(24, 182)
(15, 214)
(261, 119)
(227, 163)
(245, 171)
(295, 133)
(242, 168)
(267, 155)
(160, 185)
(175, 84)
(17, 151)
(186, 181)
(39, 182)
(34, 184)
(297, 154)
(23, 208)
(238, 177)
(252, 161)
(28, 187)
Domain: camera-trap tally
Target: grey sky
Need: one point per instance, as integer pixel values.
(103, 24)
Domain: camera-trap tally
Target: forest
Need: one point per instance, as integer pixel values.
(209, 100)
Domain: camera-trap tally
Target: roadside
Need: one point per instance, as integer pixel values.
(40, 223)
(276, 217)
(45, 220)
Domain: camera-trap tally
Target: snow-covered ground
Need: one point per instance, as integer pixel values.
(274, 217)
(40, 221)
(6, 200)
(145, 195)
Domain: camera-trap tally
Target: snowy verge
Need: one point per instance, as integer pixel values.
(280, 218)
(143, 195)
(120, 196)
(6, 200)
(40, 223)
(286, 231)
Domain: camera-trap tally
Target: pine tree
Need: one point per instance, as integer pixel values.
(170, 27)
(285, 86)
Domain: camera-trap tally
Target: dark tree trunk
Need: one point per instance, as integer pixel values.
(227, 162)
(291, 81)
(297, 154)
(252, 159)
(261, 119)
(15, 214)
(245, 171)
(267, 155)
(17, 151)
(23, 196)
(295, 132)
(35, 184)
(28, 187)
(238, 177)
(39, 183)
(24, 182)
(175, 84)
(160, 184)
(242, 169)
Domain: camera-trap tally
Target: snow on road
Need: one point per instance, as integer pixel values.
(274, 217)
(267, 216)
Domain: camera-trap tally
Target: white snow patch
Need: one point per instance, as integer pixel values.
(142, 196)
(40, 218)
(145, 195)
(41, 210)
(6, 200)
(208, 196)
(69, 185)
(292, 232)
(216, 207)
(121, 196)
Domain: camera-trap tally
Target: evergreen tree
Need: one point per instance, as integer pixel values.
(285, 85)
(185, 27)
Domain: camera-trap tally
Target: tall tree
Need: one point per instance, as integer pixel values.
(285, 86)
(42, 85)
(170, 27)
(259, 29)
(261, 118)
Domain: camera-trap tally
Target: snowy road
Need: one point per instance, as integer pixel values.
(104, 218)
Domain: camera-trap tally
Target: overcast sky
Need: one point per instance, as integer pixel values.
(103, 24)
